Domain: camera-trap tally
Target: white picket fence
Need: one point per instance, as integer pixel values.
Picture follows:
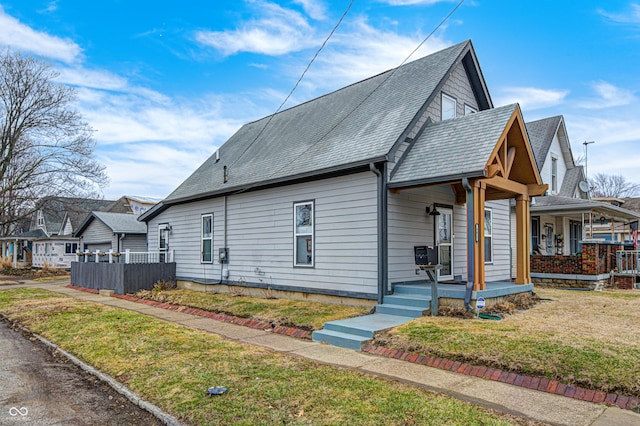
(126, 257)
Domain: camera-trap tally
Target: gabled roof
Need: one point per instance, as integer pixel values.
(453, 149)
(119, 223)
(56, 209)
(571, 183)
(541, 133)
(345, 129)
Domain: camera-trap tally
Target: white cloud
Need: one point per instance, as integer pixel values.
(608, 96)
(314, 8)
(280, 31)
(530, 98)
(18, 36)
(631, 17)
(362, 51)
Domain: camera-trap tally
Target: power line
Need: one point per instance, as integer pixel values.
(326, 40)
(390, 74)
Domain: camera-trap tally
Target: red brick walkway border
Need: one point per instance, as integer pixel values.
(530, 382)
(247, 322)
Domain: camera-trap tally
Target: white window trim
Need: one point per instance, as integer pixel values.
(311, 234)
(490, 235)
(468, 109)
(203, 238)
(162, 228)
(455, 106)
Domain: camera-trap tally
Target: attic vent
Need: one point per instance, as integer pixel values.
(225, 175)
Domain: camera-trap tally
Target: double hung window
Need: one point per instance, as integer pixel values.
(303, 234)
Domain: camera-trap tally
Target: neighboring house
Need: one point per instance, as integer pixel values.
(566, 215)
(331, 196)
(117, 232)
(49, 239)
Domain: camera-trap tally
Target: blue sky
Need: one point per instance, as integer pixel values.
(165, 83)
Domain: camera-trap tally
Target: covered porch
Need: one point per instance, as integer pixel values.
(491, 162)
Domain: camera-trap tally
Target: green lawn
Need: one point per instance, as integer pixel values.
(172, 366)
(591, 339)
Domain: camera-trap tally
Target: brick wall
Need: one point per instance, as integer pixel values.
(596, 259)
(625, 282)
(557, 264)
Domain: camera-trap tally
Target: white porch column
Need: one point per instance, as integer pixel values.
(15, 254)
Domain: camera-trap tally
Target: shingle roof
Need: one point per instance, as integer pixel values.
(571, 180)
(541, 134)
(454, 148)
(351, 126)
(55, 208)
(555, 204)
(124, 223)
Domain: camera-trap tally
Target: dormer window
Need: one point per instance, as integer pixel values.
(448, 107)
(40, 219)
(554, 174)
(468, 109)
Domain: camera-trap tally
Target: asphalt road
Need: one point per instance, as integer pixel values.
(39, 387)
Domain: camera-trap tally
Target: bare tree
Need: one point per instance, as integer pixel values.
(603, 185)
(46, 147)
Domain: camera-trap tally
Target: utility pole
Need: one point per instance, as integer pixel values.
(586, 159)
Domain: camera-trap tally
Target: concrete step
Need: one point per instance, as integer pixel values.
(367, 325)
(415, 289)
(336, 338)
(401, 310)
(416, 300)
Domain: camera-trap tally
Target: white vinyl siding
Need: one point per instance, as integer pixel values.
(260, 236)
(97, 234)
(409, 225)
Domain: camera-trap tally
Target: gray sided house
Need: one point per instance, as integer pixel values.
(106, 231)
(330, 197)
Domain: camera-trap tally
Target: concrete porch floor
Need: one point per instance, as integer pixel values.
(457, 291)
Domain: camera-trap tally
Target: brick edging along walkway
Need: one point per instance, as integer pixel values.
(247, 322)
(488, 373)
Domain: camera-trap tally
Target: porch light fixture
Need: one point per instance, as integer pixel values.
(433, 212)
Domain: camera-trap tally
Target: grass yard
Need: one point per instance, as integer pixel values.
(172, 366)
(590, 339)
(292, 313)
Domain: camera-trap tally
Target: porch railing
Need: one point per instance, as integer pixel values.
(127, 257)
(628, 261)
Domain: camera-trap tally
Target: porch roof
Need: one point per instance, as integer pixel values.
(564, 206)
(490, 144)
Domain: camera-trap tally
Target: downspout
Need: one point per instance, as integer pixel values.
(470, 245)
(382, 230)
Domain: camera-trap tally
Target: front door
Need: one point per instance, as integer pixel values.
(444, 240)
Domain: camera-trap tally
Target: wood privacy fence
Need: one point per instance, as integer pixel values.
(123, 278)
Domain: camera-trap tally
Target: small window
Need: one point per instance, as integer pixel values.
(468, 109)
(448, 107)
(70, 248)
(554, 174)
(207, 239)
(303, 234)
(535, 234)
(163, 237)
(40, 218)
(488, 236)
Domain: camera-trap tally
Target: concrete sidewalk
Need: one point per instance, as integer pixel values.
(519, 401)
